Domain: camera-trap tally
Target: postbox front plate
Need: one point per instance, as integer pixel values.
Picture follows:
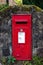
(22, 37)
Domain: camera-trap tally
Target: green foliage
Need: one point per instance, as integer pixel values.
(8, 60)
(5, 12)
(3, 59)
(39, 3)
(35, 61)
(27, 63)
(3, 7)
(18, 2)
(34, 2)
(28, 2)
(11, 59)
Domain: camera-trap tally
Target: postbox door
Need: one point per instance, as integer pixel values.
(21, 41)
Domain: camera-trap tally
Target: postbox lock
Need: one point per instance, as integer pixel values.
(21, 29)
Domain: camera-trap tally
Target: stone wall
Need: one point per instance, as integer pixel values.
(37, 29)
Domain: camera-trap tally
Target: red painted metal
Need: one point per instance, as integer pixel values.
(22, 50)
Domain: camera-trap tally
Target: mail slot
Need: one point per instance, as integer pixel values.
(22, 37)
(21, 22)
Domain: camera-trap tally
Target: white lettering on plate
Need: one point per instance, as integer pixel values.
(21, 37)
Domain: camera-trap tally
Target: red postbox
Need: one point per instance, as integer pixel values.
(22, 37)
